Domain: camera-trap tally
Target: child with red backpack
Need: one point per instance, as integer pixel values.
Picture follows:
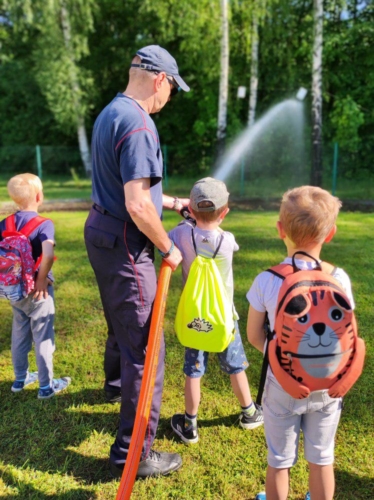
(304, 309)
(26, 258)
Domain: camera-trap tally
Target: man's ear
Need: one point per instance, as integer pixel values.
(158, 81)
(331, 234)
(280, 230)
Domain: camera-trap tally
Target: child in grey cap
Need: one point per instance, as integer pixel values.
(209, 206)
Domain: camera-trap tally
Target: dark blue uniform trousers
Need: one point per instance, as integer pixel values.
(122, 259)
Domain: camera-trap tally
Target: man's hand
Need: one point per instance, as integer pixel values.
(174, 259)
(174, 203)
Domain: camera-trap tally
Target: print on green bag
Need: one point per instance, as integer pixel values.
(200, 325)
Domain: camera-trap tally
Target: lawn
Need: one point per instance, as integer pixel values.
(59, 448)
(252, 186)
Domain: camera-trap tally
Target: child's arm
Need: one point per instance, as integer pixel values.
(255, 328)
(42, 281)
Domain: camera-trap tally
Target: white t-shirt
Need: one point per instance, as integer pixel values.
(263, 294)
(206, 244)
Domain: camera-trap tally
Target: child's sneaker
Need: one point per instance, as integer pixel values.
(261, 496)
(18, 385)
(59, 384)
(189, 434)
(252, 421)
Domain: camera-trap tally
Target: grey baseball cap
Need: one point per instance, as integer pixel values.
(208, 190)
(155, 58)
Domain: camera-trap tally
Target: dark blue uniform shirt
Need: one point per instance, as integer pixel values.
(125, 147)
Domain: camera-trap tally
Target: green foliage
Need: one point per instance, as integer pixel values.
(42, 76)
(346, 118)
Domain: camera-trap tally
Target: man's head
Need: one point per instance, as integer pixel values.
(154, 73)
(308, 214)
(209, 199)
(25, 189)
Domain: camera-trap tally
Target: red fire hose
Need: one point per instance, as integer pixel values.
(147, 387)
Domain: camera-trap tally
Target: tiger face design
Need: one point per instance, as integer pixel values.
(317, 338)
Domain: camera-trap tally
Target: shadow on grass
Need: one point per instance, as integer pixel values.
(351, 486)
(164, 429)
(54, 436)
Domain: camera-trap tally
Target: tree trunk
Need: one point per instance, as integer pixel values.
(254, 72)
(84, 148)
(224, 80)
(316, 173)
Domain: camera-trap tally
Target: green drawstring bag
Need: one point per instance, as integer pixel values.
(204, 319)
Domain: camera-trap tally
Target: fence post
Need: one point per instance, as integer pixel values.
(165, 156)
(242, 178)
(335, 168)
(39, 161)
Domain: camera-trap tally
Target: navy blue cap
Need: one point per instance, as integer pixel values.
(155, 58)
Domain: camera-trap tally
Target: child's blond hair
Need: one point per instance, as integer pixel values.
(23, 188)
(308, 214)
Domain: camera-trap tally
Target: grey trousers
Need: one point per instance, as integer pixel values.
(33, 322)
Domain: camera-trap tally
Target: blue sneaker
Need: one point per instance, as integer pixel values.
(18, 385)
(307, 496)
(59, 384)
(261, 496)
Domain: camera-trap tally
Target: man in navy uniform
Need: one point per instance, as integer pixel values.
(122, 229)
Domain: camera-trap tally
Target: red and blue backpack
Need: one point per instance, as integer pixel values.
(17, 266)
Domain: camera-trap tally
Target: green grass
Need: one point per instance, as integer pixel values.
(59, 448)
(255, 186)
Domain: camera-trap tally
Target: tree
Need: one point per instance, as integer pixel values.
(61, 42)
(316, 173)
(254, 71)
(224, 79)
(76, 91)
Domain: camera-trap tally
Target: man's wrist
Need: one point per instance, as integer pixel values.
(165, 255)
(177, 205)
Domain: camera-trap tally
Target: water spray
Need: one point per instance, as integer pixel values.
(247, 140)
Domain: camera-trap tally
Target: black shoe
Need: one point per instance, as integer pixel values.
(251, 422)
(187, 434)
(112, 396)
(157, 464)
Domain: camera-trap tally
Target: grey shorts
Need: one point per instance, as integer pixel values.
(317, 416)
(232, 360)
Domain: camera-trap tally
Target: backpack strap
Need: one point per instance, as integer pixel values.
(10, 223)
(216, 250)
(27, 229)
(280, 271)
(30, 226)
(265, 361)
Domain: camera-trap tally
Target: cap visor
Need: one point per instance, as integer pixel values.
(183, 85)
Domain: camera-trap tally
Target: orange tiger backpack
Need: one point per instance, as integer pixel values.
(315, 345)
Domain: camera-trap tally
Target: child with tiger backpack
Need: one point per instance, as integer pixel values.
(28, 238)
(313, 352)
(209, 206)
